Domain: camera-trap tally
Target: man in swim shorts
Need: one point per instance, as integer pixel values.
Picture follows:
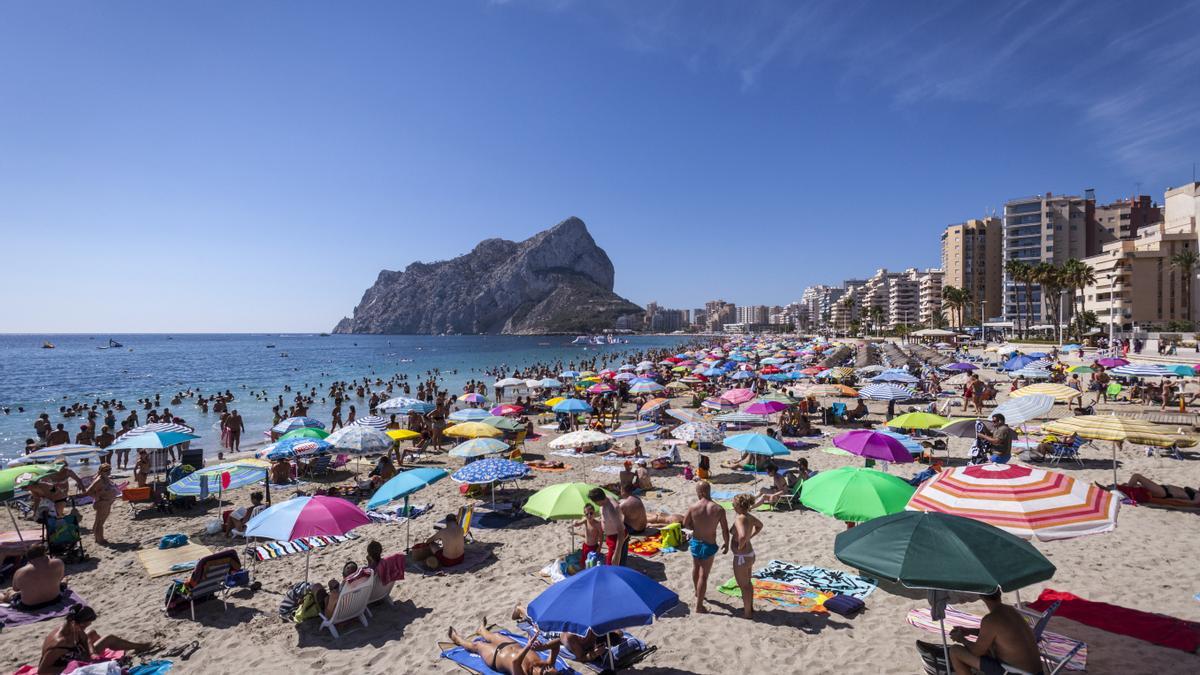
(703, 518)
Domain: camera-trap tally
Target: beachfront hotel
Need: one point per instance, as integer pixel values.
(973, 259)
(1044, 228)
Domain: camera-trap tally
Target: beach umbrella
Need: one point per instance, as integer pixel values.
(964, 427)
(1182, 370)
(294, 447)
(474, 398)
(1031, 373)
(886, 392)
(569, 374)
(372, 421)
(1070, 348)
(909, 444)
(1112, 362)
(405, 405)
(151, 440)
(764, 407)
(512, 382)
(402, 434)
(739, 418)
(601, 600)
(469, 415)
(961, 366)
(1018, 411)
(895, 377)
(472, 430)
(679, 386)
(873, 445)
(602, 388)
(625, 376)
(549, 383)
(503, 423)
(635, 428)
(1059, 392)
(318, 516)
(402, 486)
(551, 402)
(652, 405)
(685, 415)
(1030, 502)
(1017, 362)
(742, 375)
(917, 420)
(580, 439)
(17, 477)
(240, 475)
(756, 444)
(939, 551)
(564, 501)
(360, 440)
(572, 406)
(506, 410)
(60, 453)
(293, 423)
(305, 432)
(1118, 430)
(490, 470)
(1141, 370)
(478, 447)
(853, 494)
(717, 404)
(698, 432)
(839, 390)
(645, 387)
(161, 427)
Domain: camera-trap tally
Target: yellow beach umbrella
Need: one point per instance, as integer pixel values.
(1060, 392)
(1118, 430)
(473, 430)
(402, 434)
(554, 401)
(917, 420)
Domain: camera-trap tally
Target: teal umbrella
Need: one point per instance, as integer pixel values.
(154, 440)
(402, 486)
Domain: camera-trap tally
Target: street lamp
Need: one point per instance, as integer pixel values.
(1112, 299)
(982, 313)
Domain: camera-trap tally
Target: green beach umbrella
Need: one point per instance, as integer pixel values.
(777, 396)
(917, 420)
(940, 551)
(16, 477)
(503, 423)
(562, 501)
(306, 432)
(854, 494)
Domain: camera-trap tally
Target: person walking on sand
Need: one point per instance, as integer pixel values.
(612, 521)
(236, 427)
(703, 518)
(745, 526)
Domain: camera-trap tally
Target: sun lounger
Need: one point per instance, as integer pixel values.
(351, 604)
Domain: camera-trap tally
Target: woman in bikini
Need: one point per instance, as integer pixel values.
(75, 641)
(745, 527)
(1163, 491)
(505, 655)
(105, 493)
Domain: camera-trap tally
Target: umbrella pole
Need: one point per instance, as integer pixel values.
(945, 647)
(1114, 463)
(16, 528)
(407, 527)
(307, 553)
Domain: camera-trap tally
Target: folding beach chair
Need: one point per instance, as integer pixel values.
(1040, 620)
(207, 581)
(63, 537)
(319, 466)
(1061, 451)
(351, 603)
(790, 499)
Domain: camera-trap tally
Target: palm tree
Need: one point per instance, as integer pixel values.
(1049, 276)
(955, 299)
(1077, 276)
(1018, 272)
(1185, 261)
(848, 303)
(876, 317)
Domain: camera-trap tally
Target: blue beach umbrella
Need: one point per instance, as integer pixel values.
(549, 383)
(478, 447)
(569, 374)
(405, 405)
(1017, 362)
(154, 440)
(240, 475)
(290, 448)
(601, 599)
(293, 423)
(742, 375)
(646, 387)
(756, 444)
(362, 440)
(490, 471)
(572, 405)
(890, 376)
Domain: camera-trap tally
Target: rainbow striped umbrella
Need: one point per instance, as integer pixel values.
(649, 387)
(1029, 502)
(473, 397)
(634, 428)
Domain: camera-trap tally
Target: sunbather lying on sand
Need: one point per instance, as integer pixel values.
(585, 648)
(505, 655)
(1162, 491)
(545, 464)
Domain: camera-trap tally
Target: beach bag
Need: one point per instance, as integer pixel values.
(238, 578)
(671, 536)
(308, 608)
(292, 599)
(844, 605)
(177, 594)
(172, 541)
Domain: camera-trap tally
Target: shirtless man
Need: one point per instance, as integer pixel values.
(281, 472)
(702, 519)
(641, 476)
(39, 583)
(236, 426)
(626, 477)
(592, 533)
(612, 521)
(1163, 491)
(1003, 637)
(446, 548)
(633, 511)
(505, 655)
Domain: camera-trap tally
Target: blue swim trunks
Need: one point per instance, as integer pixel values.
(702, 550)
(1000, 459)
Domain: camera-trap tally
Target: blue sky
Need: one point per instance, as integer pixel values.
(251, 166)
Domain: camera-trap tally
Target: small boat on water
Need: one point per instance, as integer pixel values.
(47, 345)
(270, 346)
(111, 344)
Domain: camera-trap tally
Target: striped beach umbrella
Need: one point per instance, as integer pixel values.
(1018, 411)
(293, 423)
(635, 428)
(685, 415)
(886, 392)
(373, 421)
(649, 387)
(1141, 370)
(478, 447)
(360, 440)
(1029, 502)
(405, 405)
(305, 432)
(473, 397)
(739, 418)
(1031, 373)
(653, 404)
(601, 388)
(1118, 430)
(62, 452)
(295, 447)
(896, 377)
(240, 475)
(469, 415)
(1060, 392)
(718, 404)
(698, 432)
(160, 427)
(580, 439)
(151, 440)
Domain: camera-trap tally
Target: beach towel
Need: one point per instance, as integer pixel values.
(781, 594)
(475, 664)
(723, 495)
(391, 568)
(496, 520)
(281, 549)
(473, 557)
(829, 581)
(647, 547)
(1053, 645)
(398, 514)
(568, 453)
(11, 616)
(1158, 629)
(561, 568)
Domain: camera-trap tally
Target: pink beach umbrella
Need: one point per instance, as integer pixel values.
(507, 409)
(1112, 362)
(765, 407)
(601, 388)
(318, 516)
(738, 396)
(873, 445)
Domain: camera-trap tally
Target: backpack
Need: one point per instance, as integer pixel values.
(671, 536)
(292, 599)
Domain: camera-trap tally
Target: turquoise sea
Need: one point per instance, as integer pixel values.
(42, 380)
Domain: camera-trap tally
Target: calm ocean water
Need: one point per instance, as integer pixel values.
(42, 380)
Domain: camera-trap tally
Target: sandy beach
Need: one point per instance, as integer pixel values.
(1143, 564)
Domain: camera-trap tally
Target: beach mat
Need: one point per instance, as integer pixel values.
(473, 663)
(819, 578)
(161, 562)
(1158, 629)
(777, 593)
(473, 557)
(1053, 645)
(11, 616)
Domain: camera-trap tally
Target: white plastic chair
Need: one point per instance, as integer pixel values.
(380, 592)
(351, 604)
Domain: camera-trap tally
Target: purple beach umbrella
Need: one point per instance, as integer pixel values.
(873, 445)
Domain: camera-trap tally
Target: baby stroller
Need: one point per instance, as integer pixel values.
(63, 537)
